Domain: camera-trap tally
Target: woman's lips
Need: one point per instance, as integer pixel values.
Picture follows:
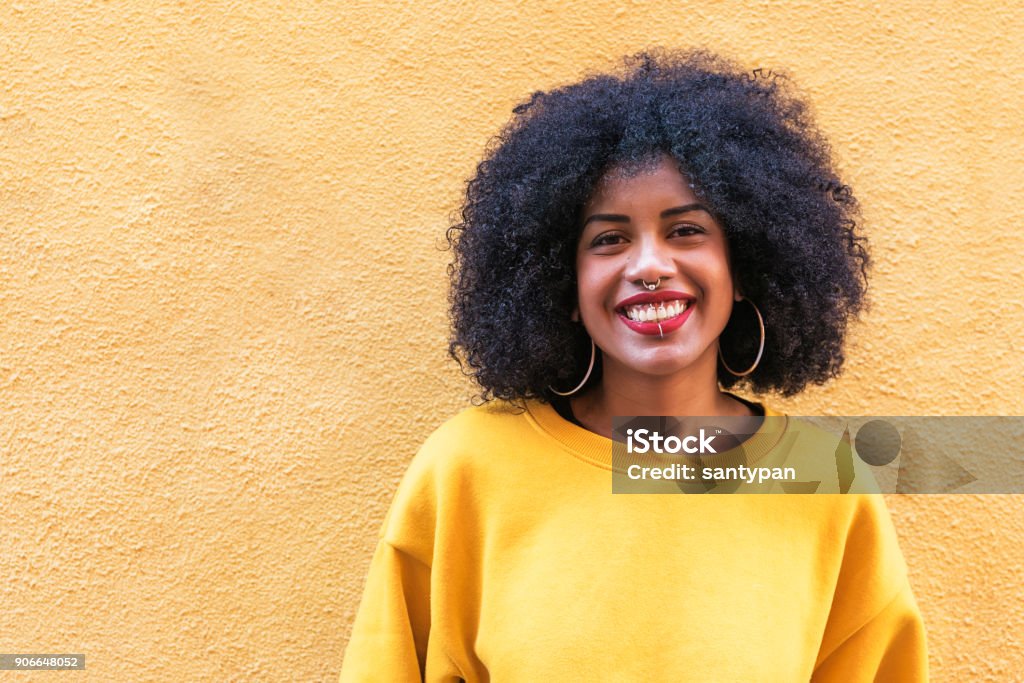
(656, 297)
(656, 328)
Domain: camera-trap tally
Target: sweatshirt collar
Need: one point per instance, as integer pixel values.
(597, 450)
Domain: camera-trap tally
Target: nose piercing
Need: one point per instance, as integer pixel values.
(652, 287)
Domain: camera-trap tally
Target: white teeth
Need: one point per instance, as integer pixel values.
(651, 313)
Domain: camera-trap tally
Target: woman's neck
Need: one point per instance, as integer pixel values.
(653, 396)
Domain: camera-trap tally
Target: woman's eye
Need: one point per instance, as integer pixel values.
(685, 230)
(604, 240)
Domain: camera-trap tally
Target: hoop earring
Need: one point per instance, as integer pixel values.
(590, 368)
(760, 350)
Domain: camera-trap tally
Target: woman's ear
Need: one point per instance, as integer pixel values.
(737, 295)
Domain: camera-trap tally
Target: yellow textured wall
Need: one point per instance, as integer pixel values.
(222, 302)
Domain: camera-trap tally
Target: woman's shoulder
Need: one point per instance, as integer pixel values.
(476, 427)
(456, 468)
(475, 438)
(492, 414)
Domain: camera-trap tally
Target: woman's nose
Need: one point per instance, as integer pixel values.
(650, 261)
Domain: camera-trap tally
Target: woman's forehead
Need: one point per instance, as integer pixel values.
(660, 175)
(622, 169)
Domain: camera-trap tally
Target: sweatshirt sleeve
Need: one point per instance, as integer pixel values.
(874, 630)
(390, 636)
(402, 628)
(889, 647)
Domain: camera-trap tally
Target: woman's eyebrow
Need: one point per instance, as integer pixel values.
(674, 211)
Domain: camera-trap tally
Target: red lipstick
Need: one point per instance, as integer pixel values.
(655, 297)
(657, 329)
(652, 327)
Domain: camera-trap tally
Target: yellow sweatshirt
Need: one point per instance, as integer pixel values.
(505, 557)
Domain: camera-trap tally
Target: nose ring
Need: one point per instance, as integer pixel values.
(652, 287)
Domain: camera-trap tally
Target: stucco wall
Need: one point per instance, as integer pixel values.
(222, 324)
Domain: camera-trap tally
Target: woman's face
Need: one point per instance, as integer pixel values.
(649, 226)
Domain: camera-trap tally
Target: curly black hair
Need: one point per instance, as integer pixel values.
(747, 143)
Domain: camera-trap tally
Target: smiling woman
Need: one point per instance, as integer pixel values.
(655, 291)
(636, 244)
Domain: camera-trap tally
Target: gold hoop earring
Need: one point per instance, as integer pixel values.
(760, 349)
(590, 368)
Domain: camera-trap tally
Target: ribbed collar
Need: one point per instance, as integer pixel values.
(597, 450)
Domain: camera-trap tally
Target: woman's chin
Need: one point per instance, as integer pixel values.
(655, 363)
